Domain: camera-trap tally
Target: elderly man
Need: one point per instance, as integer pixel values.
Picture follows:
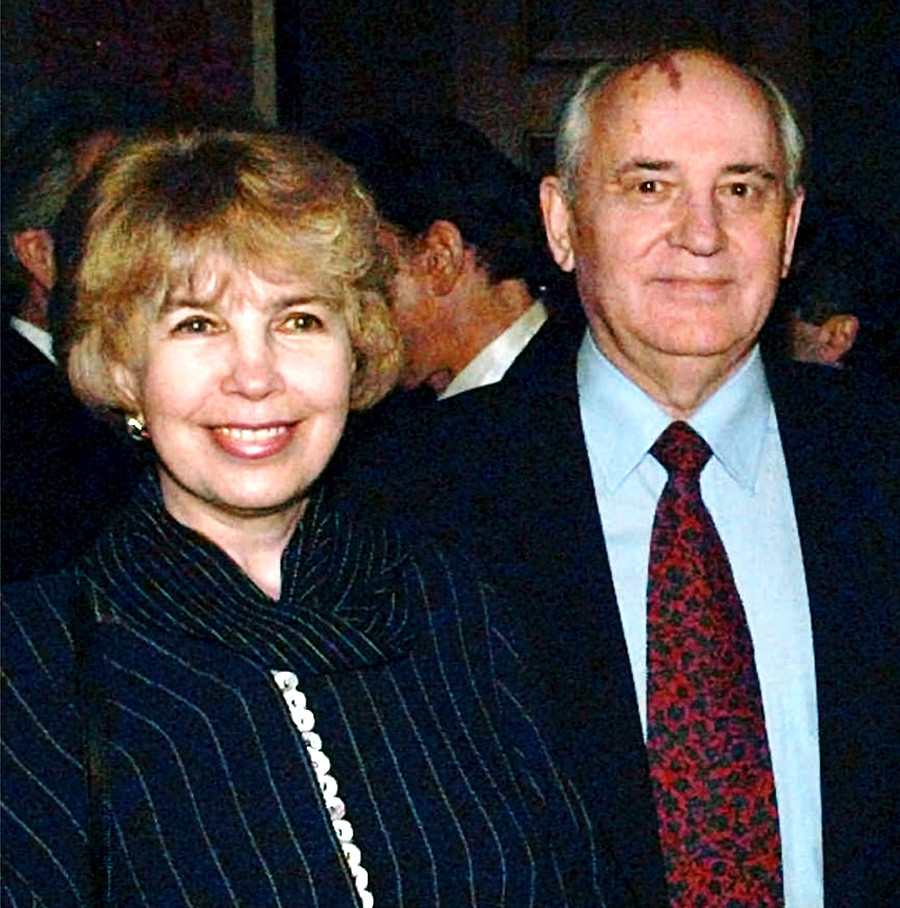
(701, 549)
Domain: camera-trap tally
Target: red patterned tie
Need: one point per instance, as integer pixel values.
(706, 736)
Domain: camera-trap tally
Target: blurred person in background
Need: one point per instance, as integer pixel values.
(64, 471)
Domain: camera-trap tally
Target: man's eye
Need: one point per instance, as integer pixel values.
(302, 321)
(195, 324)
(648, 187)
(742, 190)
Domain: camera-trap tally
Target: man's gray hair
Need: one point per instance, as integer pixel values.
(574, 130)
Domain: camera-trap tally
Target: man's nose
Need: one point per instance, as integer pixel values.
(698, 227)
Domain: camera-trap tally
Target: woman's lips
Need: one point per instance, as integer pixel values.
(253, 442)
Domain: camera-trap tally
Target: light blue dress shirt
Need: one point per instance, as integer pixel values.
(746, 489)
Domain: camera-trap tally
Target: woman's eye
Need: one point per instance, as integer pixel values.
(302, 321)
(195, 324)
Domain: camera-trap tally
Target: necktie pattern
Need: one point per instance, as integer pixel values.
(706, 739)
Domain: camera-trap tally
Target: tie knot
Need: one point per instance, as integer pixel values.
(681, 450)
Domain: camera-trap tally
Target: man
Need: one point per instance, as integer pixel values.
(676, 205)
(63, 470)
(839, 306)
(822, 331)
(44, 184)
(467, 243)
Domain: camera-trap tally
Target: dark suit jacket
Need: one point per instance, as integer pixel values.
(504, 470)
(64, 471)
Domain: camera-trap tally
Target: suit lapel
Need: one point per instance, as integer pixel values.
(582, 668)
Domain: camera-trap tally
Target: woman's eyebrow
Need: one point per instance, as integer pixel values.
(304, 299)
(175, 302)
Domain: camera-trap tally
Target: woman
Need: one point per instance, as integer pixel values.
(245, 695)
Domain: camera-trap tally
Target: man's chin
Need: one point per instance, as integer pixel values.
(694, 341)
(439, 380)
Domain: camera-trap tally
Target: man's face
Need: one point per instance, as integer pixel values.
(682, 226)
(418, 314)
(425, 310)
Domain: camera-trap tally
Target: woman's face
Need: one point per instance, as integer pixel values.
(244, 392)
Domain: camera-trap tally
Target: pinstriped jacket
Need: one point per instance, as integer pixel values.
(149, 758)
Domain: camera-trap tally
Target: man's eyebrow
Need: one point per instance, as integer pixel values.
(757, 169)
(638, 164)
(643, 164)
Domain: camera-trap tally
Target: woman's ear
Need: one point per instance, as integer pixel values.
(126, 383)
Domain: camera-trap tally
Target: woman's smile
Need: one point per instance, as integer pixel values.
(254, 442)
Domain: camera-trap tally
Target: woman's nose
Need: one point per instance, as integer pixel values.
(253, 369)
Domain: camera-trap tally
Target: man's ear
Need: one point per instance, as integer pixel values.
(790, 230)
(443, 256)
(836, 336)
(557, 222)
(34, 249)
(126, 384)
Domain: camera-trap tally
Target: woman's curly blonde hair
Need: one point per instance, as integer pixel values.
(268, 202)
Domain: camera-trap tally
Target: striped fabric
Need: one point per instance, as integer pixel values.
(149, 759)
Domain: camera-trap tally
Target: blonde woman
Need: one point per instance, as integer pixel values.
(246, 695)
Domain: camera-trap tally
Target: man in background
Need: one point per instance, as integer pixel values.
(473, 271)
(840, 305)
(63, 470)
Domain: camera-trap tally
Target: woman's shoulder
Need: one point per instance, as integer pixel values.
(42, 626)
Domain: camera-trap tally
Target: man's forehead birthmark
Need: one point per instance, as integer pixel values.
(665, 63)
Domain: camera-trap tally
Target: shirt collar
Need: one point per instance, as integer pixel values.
(492, 362)
(735, 420)
(621, 422)
(37, 336)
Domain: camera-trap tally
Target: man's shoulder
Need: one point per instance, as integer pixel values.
(854, 414)
(841, 439)
(540, 381)
(23, 364)
(552, 348)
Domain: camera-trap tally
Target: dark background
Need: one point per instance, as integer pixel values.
(503, 65)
